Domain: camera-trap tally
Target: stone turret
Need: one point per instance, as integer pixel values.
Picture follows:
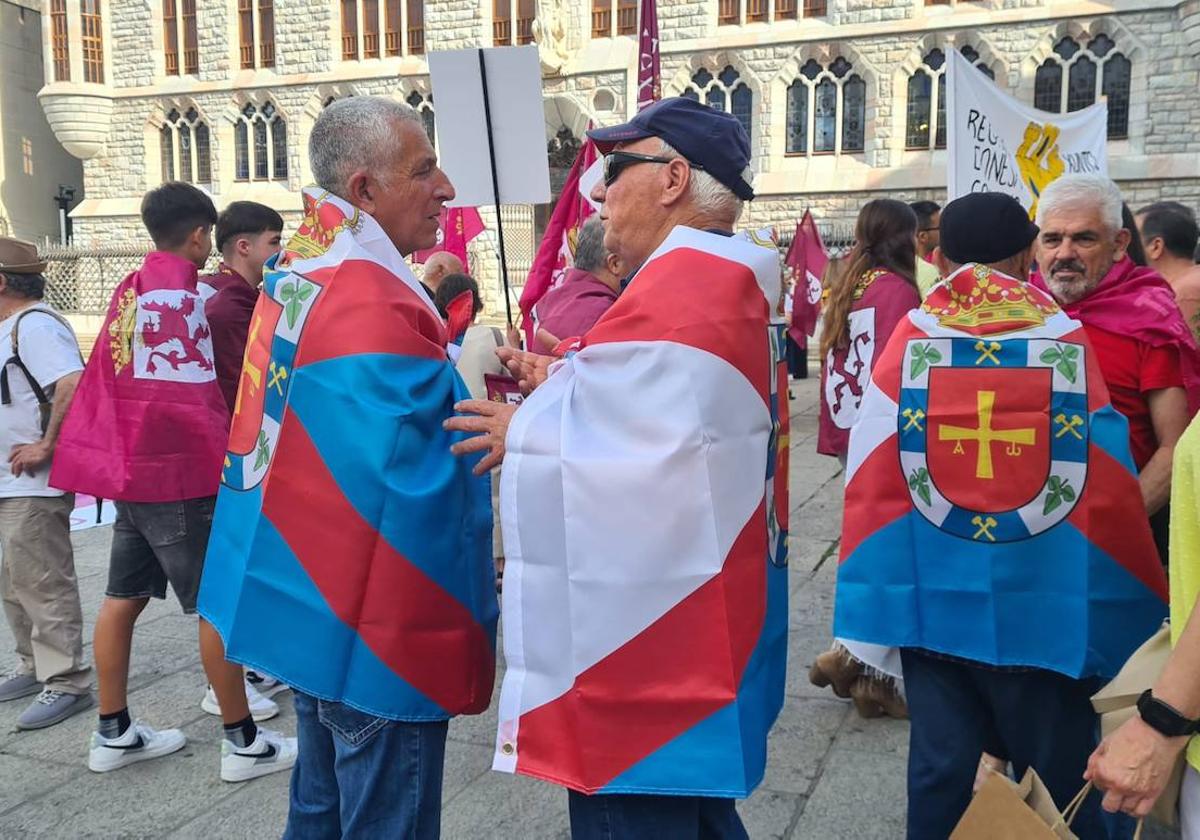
(79, 114)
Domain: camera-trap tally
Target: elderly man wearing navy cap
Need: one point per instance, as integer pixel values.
(645, 591)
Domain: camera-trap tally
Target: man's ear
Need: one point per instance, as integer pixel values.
(1153, 248)
(1122, 240)
(677, 176)
(614, 265)
(361, 191)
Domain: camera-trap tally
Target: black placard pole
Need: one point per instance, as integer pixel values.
(487, 118)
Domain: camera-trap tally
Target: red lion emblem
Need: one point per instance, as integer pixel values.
(173, 324)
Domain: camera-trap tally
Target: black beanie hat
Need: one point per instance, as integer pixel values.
(987, 227)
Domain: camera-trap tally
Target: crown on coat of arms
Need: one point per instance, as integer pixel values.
(983, 301)
(322, 222)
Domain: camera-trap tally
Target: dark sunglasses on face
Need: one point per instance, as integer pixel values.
(616, 162)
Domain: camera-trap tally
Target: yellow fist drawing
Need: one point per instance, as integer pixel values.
(1038, 160)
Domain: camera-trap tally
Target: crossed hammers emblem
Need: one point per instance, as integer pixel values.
(1068, 425)
(279, 374)
(914, 419)
(985, 526)
(987, 351)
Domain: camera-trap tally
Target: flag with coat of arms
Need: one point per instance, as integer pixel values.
(807, 258)
(992, 507)
(350, 553)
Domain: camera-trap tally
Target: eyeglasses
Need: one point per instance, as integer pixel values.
(926, 230)
(616, 162)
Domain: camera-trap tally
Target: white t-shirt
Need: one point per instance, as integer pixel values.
(50, 352)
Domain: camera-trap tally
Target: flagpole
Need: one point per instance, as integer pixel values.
(487, 117)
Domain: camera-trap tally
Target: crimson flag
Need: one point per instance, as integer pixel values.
(556, 253)
(649, 86)
(807, 259)
(456, 227)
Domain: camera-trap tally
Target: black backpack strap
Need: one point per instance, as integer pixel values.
(39, 393)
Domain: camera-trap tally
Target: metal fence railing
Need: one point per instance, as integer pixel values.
(80, 282)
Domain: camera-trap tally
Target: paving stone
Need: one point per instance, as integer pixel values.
(860, 795)
(768, 815)
(499, 805)
(881, 735)
(803, 734)
(25, 778)
(805, 642)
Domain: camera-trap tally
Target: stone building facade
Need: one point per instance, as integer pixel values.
(825, 87)
(34, 168)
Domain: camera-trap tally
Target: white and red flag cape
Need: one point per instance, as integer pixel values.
(642, 498)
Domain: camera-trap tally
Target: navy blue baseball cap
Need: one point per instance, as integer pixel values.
(711, 140)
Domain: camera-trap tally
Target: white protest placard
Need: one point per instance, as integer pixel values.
(518, 125)
(588, 180)
(997, 144)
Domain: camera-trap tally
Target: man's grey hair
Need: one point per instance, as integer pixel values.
(589, 247)
(26, 286)
(1082, 191)
(356, 133)
(706, 192)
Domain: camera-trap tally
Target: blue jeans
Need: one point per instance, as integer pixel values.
(1037, 719)
(627, 816)
(362, 776)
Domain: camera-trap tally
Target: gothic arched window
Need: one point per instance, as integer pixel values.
(1073, 76)
(836, 99)
(724, 92)
(185, 147)
(926, 108)
(260, 144)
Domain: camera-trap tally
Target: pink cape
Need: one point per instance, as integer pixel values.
(1137, 301)
(148, 422)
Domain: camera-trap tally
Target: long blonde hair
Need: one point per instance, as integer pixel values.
(886, 237)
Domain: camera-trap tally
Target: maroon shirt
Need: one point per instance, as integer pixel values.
(882, 299)
(229, 303)
(574, 307)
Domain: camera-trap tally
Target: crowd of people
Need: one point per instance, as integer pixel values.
(306, 446)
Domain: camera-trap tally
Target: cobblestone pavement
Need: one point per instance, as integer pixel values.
(830, 774)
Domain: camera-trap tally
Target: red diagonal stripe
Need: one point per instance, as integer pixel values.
(671, 676)
(712, 316)
(877, 495)
(412, 624)
(364, 308)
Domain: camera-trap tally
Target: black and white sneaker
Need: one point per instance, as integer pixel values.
(265, 684)
(139, 743)
(270, 753)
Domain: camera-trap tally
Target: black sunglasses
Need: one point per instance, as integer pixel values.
(616, 162)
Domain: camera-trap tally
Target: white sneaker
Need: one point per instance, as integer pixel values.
(260, 707)
(139, 743)
(270, 753)
(265, 684)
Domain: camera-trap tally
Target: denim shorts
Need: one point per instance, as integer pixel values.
(159, 542)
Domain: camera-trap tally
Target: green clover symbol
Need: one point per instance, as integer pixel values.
(1060, 491)
(919, 481)
(1064, 357)
(263, 453)
(923, 356)
(293, 296)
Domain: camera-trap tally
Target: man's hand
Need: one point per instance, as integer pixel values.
(28, 457)
(1132, 766)
(529, 369)
(490, 419)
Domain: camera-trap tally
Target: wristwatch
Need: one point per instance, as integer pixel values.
(1165, 718)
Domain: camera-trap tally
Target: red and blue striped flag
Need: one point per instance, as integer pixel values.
(351, 552)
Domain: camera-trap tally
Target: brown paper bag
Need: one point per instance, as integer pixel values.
(1007, 810)
(1117, 703)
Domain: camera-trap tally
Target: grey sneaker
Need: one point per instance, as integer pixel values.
(51, 707)
(17, 685)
